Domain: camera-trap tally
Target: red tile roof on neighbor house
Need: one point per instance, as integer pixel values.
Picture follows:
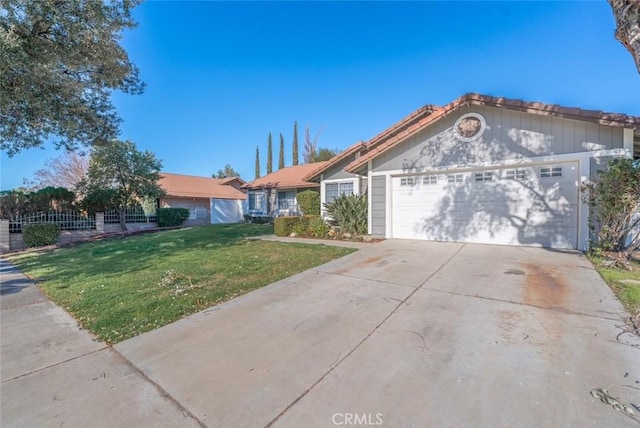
(291, 177)
(190, 186)
(425, 116)
(322, 167)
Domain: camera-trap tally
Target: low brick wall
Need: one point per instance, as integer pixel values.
(15, 241)
(111, 228)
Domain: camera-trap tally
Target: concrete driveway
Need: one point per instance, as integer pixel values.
(406, 333)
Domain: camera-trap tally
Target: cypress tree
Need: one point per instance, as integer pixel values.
(257, 163)
(269, 155)
(295, 142)
(281, 158)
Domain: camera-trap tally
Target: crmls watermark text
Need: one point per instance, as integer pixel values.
(357, 419)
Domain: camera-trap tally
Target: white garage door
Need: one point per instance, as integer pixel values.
(534, 205)
(226, 211)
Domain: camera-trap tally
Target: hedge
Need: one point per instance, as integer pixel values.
(168, 217)
(283, 226)
(39, 235)
(309, 202)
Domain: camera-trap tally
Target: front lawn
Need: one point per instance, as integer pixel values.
(628, 293)
(120, 288)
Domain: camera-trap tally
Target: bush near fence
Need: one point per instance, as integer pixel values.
(169, 217)
(39, 235)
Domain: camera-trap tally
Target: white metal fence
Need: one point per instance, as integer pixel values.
(132, 215)
(66, 220)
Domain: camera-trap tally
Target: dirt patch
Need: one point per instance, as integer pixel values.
(544, 286)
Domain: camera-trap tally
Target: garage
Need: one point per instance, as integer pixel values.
(226, 210)
(534, 205)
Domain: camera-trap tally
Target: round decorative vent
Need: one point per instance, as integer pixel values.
(469, 127)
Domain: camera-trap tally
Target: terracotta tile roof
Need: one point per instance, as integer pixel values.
(189, 186)
(361, 145)
(427, 115)
(291, 177)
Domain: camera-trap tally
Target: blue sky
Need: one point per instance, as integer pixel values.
(221, 76)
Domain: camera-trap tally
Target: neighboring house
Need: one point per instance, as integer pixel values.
(334, 180)
(209, 200)
(488, 170)
(274, 194)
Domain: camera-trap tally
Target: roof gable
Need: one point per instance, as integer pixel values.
(291, 177)
(428, 115)
(190, 186)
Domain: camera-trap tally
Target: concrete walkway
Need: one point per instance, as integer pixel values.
(400, 333)
(55, 374)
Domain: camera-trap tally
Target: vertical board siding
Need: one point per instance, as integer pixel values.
(509, 135)
(378, 199)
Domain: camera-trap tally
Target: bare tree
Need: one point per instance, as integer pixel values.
(310, 146)
(67, 170)
(627, 14)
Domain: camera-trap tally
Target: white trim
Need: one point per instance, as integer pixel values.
(369, 199)
(627, 140)
(570, 157)
(323, 191)
(388, 224)
(483, 127)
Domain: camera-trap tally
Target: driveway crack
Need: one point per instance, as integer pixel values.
(348, 354)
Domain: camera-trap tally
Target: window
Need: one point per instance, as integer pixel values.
(287, 202)
(197, 213)
(555, 171)
(407, 181)
(484, 176)
(455, 178)
(333, 190)
(256, 202)
(430, 179)
(469, 127)
(516, 174)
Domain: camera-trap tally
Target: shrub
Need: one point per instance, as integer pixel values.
(301, 227)
(283, 226)
(309, 202)
(350, 212)
(614, 198)
(168, 217)
(39, 235)
(248, 218)
(318, 227)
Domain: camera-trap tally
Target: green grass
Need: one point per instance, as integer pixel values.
(120, 288)
(628, 294)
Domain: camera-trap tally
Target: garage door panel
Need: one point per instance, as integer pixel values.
(503, 210)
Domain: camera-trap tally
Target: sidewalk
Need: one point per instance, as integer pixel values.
(55, 374)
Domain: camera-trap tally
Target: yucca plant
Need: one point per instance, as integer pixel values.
(350, 212)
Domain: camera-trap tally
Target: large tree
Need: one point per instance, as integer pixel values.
(294, 147)
(66, 170)
(257, 175)
(59, 63)
(627, 15)
(133, 175)
(310, 146)
(227, 172)
(324, 154)
(281, 157)
(269, 154)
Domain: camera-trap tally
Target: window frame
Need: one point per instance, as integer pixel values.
(552, 172)
(430, 180)
(455, 178)
(483, 176)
